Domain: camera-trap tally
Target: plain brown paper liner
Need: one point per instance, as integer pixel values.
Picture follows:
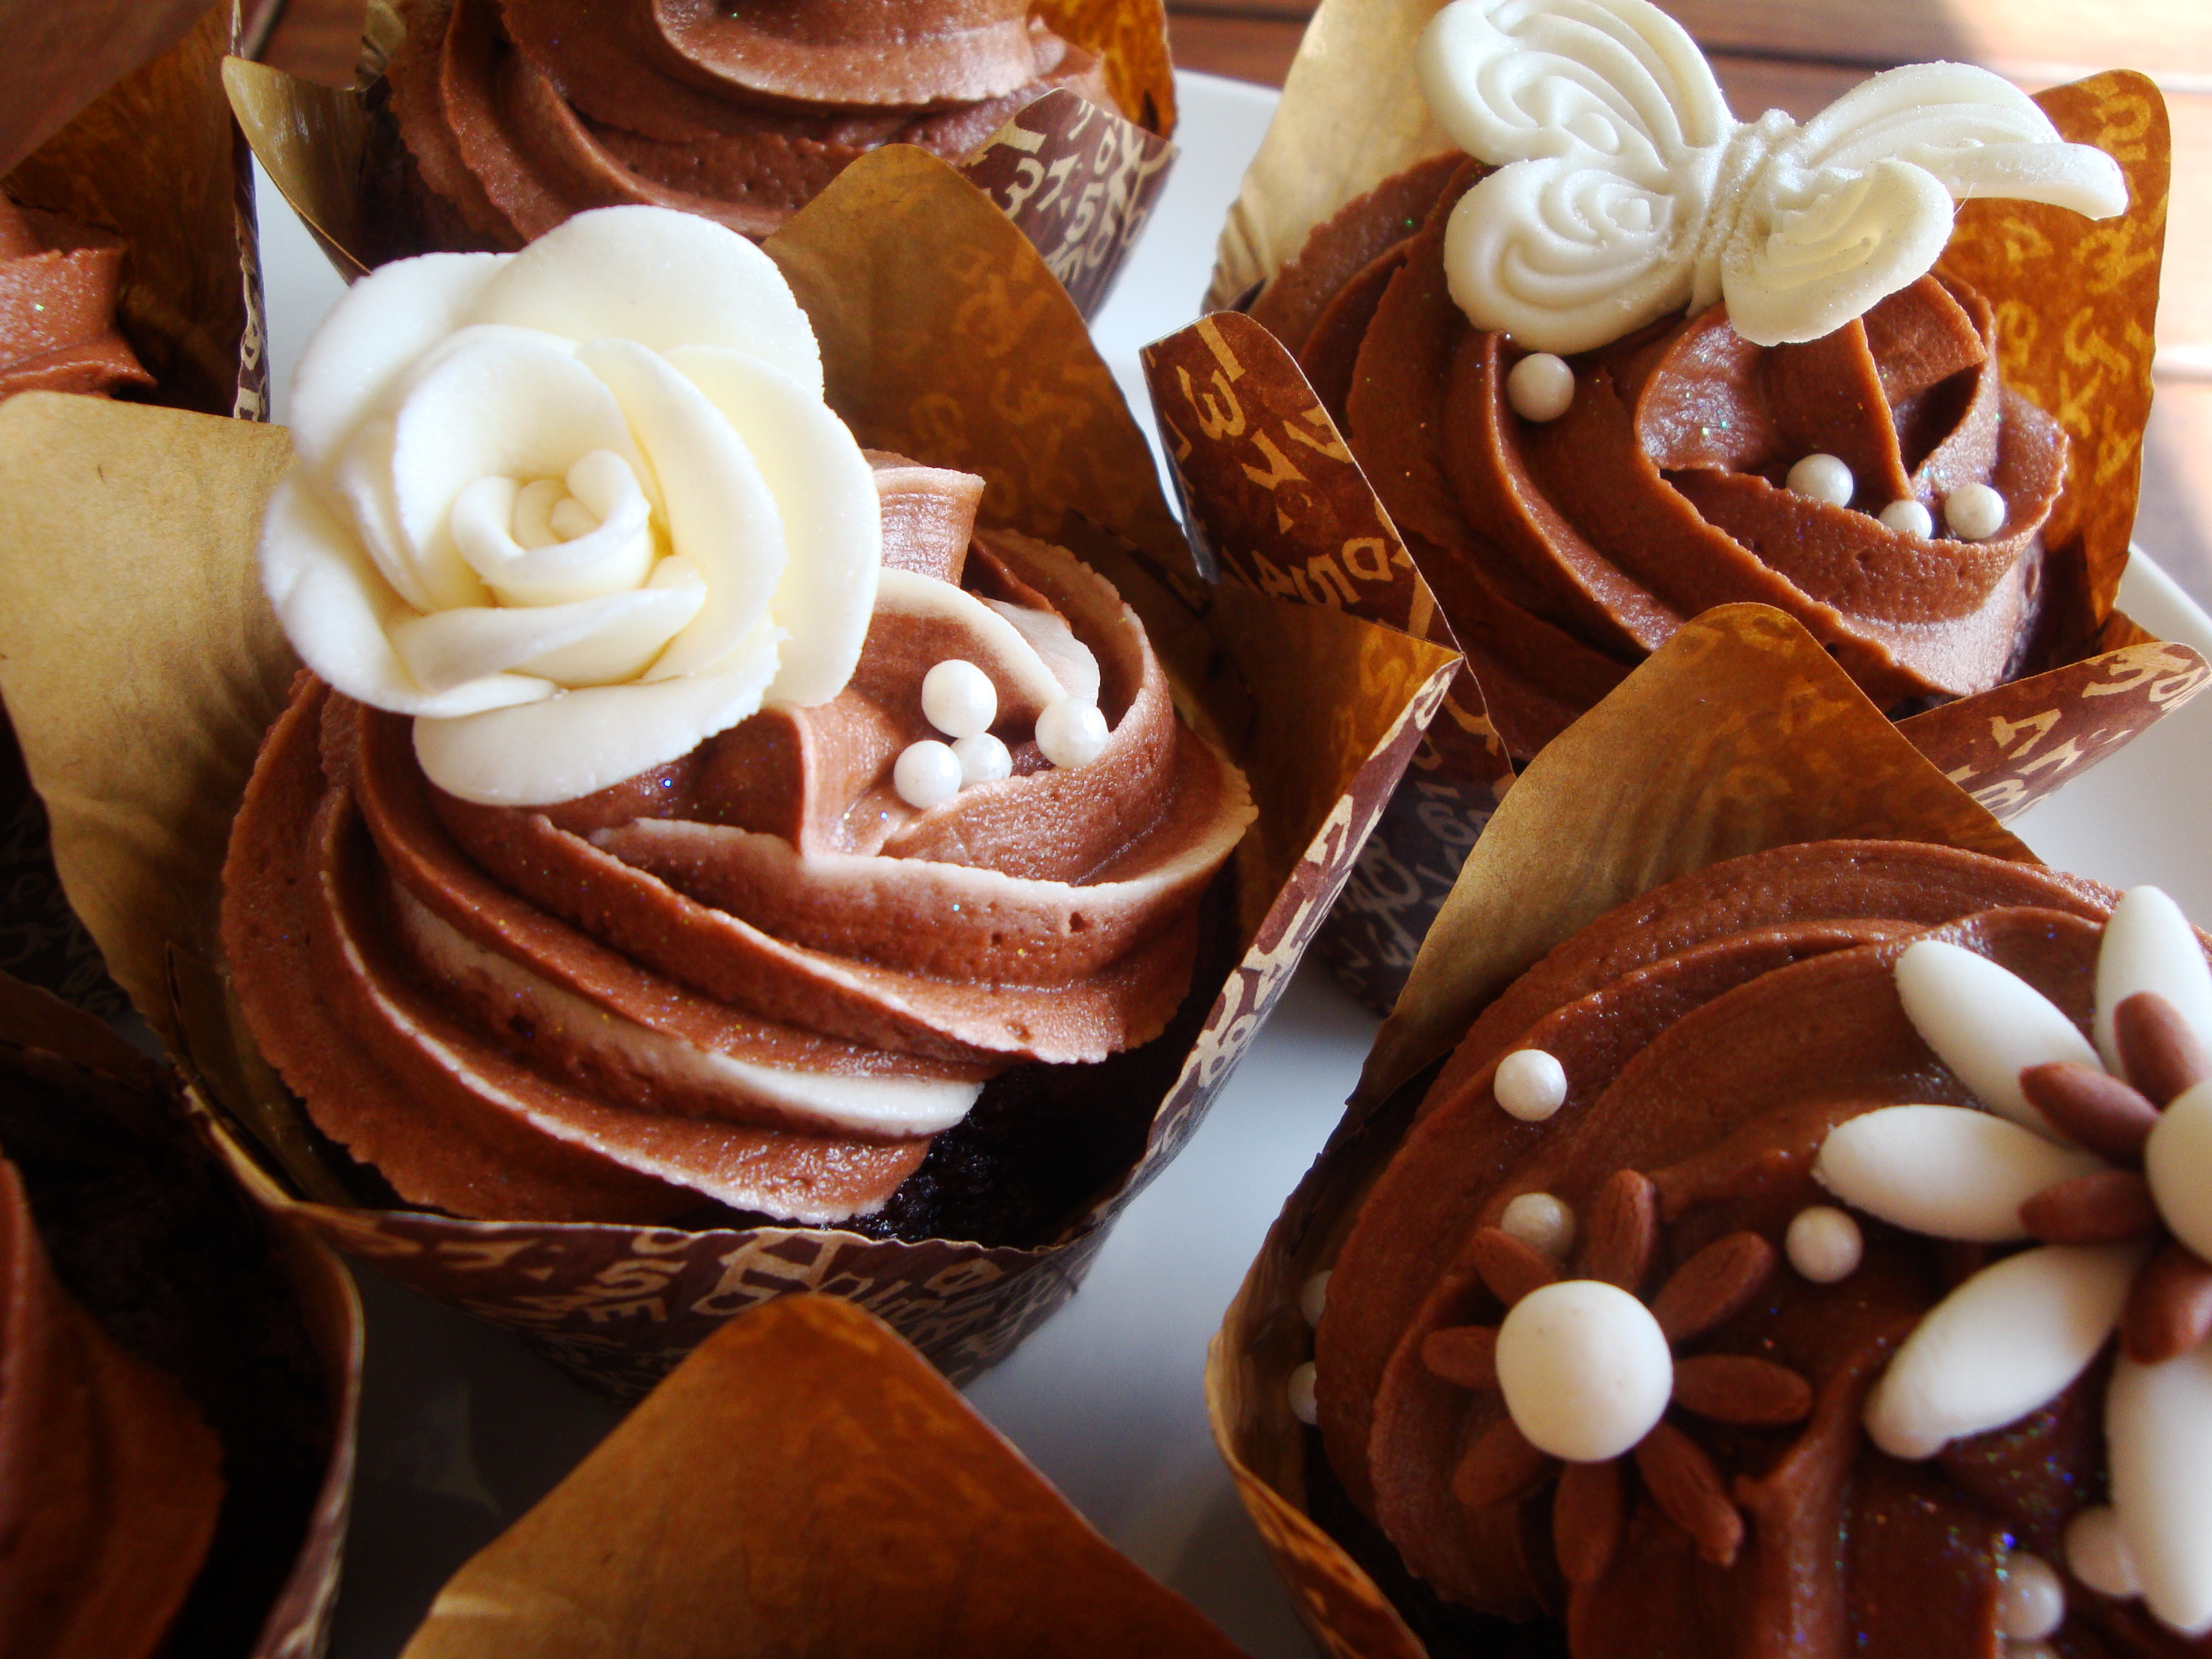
(1738, 735)
(1080, 181)
(944, 336)
(850, 1502)
(40, 1035)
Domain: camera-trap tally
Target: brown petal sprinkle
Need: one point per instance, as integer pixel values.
(1711, 1285)
(1586, 1516)
(1740, 1388)
(2101, 1208)
(2160, 1054)
(2097, 1112)
(1510, 1268)
(1624, 1230)
(1500, 1465)
(2169, 1307)
(1466, 1355)
(1687, 1487)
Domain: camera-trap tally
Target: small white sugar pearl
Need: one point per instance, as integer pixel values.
(983, 758)
(1302, 1394)
(1909, 518)
(1313, 1297)
(1541, 1222)
(1530, 1084)
(1974, 511)
(1822, 478)
(2098, 1555)
(1824, 1243)
(2031, 1597)
(926, 775)
(959, 698)
(2029, 1651)
(1070, 733)
(1540, 386)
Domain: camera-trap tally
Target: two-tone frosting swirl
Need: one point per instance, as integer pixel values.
(59, 281)
(1658, 482)
(758, 975)
(1710, 1038)
(518, 114)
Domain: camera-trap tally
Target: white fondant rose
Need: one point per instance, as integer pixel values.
(575, 508)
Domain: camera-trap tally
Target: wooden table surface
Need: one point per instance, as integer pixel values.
(1797, 56)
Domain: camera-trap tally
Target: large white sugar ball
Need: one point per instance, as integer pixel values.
(1585, 1369)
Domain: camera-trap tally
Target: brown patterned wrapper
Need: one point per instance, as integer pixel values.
(943, 337)
(1080, 181)
(191, 306)
(1738, 735)
(855, 1505)
(255, 1318)
(2075, 301)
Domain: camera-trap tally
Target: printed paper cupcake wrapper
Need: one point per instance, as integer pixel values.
(314, 1341)
(1739, 735)
(943, 337)
(1269, 484)
(1078, 180)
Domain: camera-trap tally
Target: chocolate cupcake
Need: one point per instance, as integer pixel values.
(1608, 357)
(177, 1399)
(518, 114)
(59, 281)
(1766, 1261)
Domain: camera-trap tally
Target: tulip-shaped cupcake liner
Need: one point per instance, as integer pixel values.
(189, 305)
(1078, 179)
(256, 1322)
(944, 337)
(2076, 299)
(1739, 735)
(856, 1504)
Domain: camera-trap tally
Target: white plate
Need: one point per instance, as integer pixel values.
(463, 1428)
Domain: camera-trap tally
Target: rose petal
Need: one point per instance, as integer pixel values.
(363, 477)
(2003, 1343)
(721, 515)
(579, 742)
(2158, 1435)
(662, 279)
(496, 402)
(335, 608)
(615, 556)
(1986, 1023)
(2149, 946)
(832, 518)
(587, 642)
(374, 333)
(1946, 1171)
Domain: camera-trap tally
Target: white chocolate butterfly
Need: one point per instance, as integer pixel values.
(1625, 190)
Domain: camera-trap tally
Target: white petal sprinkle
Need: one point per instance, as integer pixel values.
(2158, 1435)
(1985, 1023)
(2149, 946)
(2097, 1555)
(1944, 1171)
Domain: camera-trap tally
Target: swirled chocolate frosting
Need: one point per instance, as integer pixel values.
(1711, 1034)
(756, 977)
(1563, 550)
(518, 114)
(110, 1480)
(58, 283)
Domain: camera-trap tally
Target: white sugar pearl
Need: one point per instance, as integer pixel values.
(2029, 1651)
(1541, 386)
(1974, 511)
(1823, 478)
(2097, 1553)
(926, 775)
(1072, 733)
(1541, 1222)
(1824, 1243)
(959, 699)
(2031, 1597)
(1530, 1084)
(1585, 1369)
(1302, 1394)
(1909, 518)
(983, 758)
(1314, 1297)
